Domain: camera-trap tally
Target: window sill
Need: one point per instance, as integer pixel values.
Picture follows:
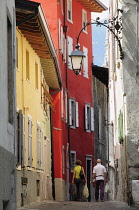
(85, 32)
(17, 69)
(18, 168)
(28, 81)
(88, 131)
(10, 129)
(29, 168)
(37, 90)
(86, 76)
(73, 127)
(70, 21)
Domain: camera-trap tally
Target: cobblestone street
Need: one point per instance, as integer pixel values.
(107, 205)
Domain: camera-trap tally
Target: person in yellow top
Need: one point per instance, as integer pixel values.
(78, 180)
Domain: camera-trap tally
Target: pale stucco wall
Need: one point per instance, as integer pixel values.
(29, 101)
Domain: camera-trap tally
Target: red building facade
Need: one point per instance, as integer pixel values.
(73, 119)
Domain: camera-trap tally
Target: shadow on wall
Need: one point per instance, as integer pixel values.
(130, 39)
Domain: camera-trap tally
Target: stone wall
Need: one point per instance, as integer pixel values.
(7, 180)
(131, 86)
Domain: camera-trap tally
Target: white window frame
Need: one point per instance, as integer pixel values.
(85, 63)
(70, 49)
(29, 141)
(72, 163)
(73, 113)
(84, 20)
(39, 145)
(69, 4)
(24, 146)
(89, 118)
(59, 34)
(66, 105)
(63, 159)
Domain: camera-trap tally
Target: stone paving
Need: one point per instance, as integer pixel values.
(70, 205)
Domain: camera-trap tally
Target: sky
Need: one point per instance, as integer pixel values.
(99, 36)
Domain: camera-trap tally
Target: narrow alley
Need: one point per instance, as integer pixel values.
(107, 205)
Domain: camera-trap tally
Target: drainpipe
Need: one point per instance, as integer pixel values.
(67, 87)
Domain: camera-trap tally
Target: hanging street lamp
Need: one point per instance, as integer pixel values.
(114, 25)
(76, 60)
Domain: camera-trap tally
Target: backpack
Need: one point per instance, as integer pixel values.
(81, 174)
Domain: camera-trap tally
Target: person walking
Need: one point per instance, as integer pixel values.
(78, 180)
(99, 174)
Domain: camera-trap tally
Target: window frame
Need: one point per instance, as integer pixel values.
(36, 76)
(72, 165)
(30, 141)
(69, 11)
(39, 145)
(72, 113)
(70, 49)
(89, 118)
(85, 63)
(84, 20)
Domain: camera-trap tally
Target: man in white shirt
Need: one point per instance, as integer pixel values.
(99, 174)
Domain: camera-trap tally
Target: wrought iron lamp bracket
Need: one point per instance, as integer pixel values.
(114, 25)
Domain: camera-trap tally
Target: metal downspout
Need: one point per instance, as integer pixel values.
(67, 87)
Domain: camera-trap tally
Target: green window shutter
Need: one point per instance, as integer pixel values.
(120, 128)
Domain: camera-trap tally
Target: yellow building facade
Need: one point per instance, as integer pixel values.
(34, 175)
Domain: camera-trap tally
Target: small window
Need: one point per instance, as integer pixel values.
(69, 10)
(72, 159)
(29, 141)
(66, 102)
(63, 159)
(16, 52)
(73, 113)
(85, 63)
(19, 135)
(89, 118)
(36, 76)
(39, 150)
(84, 20)
(70, 49)
(100, 125)
(27, 65)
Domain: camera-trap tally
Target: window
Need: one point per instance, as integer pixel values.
(66, 106)
(69, 13)
(89, 118)
(38, 146)
(84, 20)
(19, 135)
(10, 72)
(36, 76)
(100, 123)
(70, 49)
(16, 52)
(63, 159)
(27, 65)
(29, 141)
(85, 63)
(72, 159)
(73, 113)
